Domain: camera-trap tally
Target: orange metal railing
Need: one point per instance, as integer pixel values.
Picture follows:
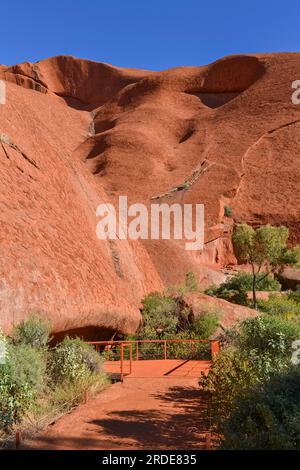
(114, 350)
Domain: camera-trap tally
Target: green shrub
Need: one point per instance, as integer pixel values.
(236, 287)
(268, 417)
(73, 360)
(34, 331)
(188, 349)
(228, 211)
(281, 305)
(267, 335)
(28, 365)
(204, 326)
(69, 394)
(229, 377)
(22, 377)
(191, 283)
(16, 399)
(294, 295)
(262, 347)
(160, 317)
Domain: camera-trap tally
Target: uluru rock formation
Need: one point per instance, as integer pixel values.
(76, 133)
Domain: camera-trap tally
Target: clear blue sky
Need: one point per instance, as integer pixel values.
(153, 34)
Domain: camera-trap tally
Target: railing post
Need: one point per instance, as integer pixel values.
(165, 349)
(137, 351)
(130, 358)
(122, 365)
(208, 441)
(18, 439)
(215, 348)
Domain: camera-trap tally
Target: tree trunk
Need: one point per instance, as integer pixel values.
(254, 291)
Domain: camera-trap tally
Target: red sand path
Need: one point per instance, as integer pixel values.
(142, 413)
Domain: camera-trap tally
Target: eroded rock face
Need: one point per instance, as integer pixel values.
(76, 133)
(228, 314)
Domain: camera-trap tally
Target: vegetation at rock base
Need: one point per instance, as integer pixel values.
(254, 384)
(38, 380)
(257, 351)
(267, 417)
(34, 331)
(265, 249)
(167, 316)
(235, 289)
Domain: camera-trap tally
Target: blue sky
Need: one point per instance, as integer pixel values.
(146, 34)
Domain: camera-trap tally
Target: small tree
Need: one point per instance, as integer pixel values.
(265, 249)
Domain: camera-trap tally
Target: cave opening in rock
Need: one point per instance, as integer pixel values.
(87, 333)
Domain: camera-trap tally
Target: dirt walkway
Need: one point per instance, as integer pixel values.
(141, 413)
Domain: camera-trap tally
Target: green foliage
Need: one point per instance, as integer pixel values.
(16, 399)
(160, 317)
(34, 379)
(73, 360)
(27, 365)
(229, 377)
(267, 336)
(281, 305)
(267, 417)
(267, 244)
(167, 317)
(235, 288)
(34, 331)
(22, 377)
(190, 285)
(189, 349)
(191, 282)
(204, 326)
(260, 348)
(294, 295)
(68, 394)
(265, 248)
(228, 211)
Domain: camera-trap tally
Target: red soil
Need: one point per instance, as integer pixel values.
(153, 413)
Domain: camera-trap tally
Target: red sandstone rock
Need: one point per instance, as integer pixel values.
(75, 133)
(228, 313)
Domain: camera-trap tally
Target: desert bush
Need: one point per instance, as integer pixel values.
(22, 377)
(267, 336)
(15, 401)
(34, 331)
(73, 360)
(69, 394)
(204, 326)
(267, 417)
(294, 295)
(284, 306)
(160, 316)
(228, 211)
(236, 287)
(188, 349)
(191, 283)
(229, 377)
(28, 365)
(261, 347)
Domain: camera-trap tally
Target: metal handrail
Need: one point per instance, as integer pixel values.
(214, 347)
